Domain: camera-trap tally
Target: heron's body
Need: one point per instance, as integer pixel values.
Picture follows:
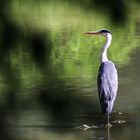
(107, 77)
(107, 86)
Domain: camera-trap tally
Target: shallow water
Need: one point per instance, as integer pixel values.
(48, 72)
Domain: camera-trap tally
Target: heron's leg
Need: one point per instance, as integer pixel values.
(108, 125)
(108, 119)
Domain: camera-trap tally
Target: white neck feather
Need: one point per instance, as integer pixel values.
(103, 53)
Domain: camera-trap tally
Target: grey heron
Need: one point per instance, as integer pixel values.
(107, 80)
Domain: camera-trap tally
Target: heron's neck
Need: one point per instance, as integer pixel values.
(103, 53)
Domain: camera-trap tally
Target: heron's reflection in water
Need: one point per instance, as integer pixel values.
(108, 134)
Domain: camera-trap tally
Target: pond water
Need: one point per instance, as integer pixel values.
(48, 70)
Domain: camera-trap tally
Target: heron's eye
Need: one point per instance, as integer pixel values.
(104, 31)
(101, 32)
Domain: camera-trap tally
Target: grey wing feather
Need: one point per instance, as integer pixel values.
(107, 86)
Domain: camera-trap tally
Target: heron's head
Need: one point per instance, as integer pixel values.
(103, 32)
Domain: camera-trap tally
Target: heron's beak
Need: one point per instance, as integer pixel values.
(92, 33)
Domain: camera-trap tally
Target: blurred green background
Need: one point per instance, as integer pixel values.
(48, 67)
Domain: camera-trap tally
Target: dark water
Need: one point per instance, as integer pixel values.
(48, 70)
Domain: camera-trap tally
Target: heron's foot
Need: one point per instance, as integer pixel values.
(109, 125)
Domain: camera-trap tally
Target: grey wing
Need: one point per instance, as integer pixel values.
(107, 86)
